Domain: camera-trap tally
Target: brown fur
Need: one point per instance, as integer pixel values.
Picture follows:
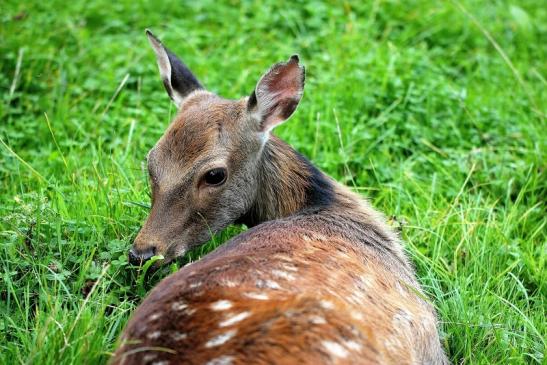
(284, 180)
(203, 131)
(376, 311)
(342, 254)
(319, 278)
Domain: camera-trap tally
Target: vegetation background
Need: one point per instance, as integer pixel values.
(435, 110)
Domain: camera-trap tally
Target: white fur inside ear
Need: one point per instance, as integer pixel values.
(278, 93)
(164, 67)
(266, 101)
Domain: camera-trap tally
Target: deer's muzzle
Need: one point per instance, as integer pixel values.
(140, 257)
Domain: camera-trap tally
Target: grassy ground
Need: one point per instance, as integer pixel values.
(435, 110)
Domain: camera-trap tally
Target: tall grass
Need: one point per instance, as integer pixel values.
(433, 110)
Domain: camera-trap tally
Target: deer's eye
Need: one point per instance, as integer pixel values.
(215, 177)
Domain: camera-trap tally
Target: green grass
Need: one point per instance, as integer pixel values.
(435, 110)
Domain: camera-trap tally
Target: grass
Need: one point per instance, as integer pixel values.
(435, 110)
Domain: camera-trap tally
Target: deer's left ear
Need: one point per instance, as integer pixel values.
(277, 94)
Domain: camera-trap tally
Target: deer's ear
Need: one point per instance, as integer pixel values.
(277, 94)
(177, 78)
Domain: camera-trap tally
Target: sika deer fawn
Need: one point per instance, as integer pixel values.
(319, 278)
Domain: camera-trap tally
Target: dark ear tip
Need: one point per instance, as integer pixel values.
(294, 58)
(151, 35)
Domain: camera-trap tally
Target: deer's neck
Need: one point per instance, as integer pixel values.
(289, 185)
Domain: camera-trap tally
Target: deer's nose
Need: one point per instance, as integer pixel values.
(137, 257)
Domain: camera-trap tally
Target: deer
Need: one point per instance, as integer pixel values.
(319, 277)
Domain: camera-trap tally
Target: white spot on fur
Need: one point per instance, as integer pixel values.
(234, 319)
(365, 282)
(353, 345)
(357, 298)
(190, 311)
(326, 304)
(221, 305)
(178, 306)
(289, 313)
(155, 316)
(343, 255)
(195, 285)
(228, 283)
(257, 296)
(149, 357)
(335, 349)
(220, 339)
(306, 238)
(223, 360)
(163, 362)
(283, 274)
(154, 335)
(177, 336)
(270, 284)
(319, 237)
(317, 320)
(357, 315)
(290, 267)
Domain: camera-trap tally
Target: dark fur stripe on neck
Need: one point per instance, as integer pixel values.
(320, 191)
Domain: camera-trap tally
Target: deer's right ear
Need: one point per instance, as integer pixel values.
(277, 94)
(177, 78)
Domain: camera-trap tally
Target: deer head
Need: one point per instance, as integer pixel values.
(204, 171)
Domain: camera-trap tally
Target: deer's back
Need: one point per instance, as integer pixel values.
(286, 292)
